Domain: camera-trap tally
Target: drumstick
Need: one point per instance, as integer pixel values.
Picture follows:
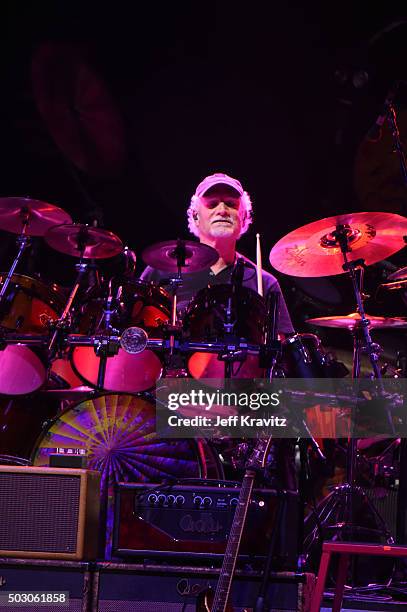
(259, 266)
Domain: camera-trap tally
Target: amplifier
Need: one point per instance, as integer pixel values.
(152, 588)
(49, 513)
(194, 521)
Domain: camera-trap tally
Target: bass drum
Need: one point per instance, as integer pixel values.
(142, 305)
(117, 433)
(28, 306)
(204, 322)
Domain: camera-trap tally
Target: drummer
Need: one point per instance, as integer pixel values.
(219, 213)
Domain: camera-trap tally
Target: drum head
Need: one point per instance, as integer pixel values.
(117, 432)
(22, 371)
(125, 372)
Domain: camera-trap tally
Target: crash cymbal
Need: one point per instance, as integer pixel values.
(353, 320)
(194, 255)
(313, 249)
(39, 216)
(83, 241)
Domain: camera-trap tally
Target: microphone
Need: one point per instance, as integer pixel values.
(130, 261)
(375, 132)
(238, 273)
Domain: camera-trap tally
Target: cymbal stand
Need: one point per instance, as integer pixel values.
(338, 506)
(23, 241)
(175, 282)
(107, 347)
(82, 267)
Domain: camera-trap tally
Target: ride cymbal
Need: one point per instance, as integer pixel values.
(83, 241)
(193, 256)
(313, 249)
(35, 215)
(353, 321)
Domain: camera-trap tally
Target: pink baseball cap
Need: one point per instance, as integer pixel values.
(218, 179)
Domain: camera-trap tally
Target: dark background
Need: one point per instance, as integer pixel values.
(272, 93)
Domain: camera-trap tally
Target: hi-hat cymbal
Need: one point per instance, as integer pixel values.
(82, 241)
(194, 256)
(313, 249)
(353, 320)
(37, 216)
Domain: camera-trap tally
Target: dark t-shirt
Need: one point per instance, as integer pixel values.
(194, 281)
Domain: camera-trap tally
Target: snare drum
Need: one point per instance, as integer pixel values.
(204, 322)
(142, 304)
(28, 306)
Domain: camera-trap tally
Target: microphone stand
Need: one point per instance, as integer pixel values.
(398, 145)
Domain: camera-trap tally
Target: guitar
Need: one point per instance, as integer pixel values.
(209, 601)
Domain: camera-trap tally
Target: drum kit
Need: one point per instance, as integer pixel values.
(78, 371)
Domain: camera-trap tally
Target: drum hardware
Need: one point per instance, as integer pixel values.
(86, 243)
(329, 247)
(64, 322)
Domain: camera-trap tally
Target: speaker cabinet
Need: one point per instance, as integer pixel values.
(49, 513)
(152, 588)
(35, 575)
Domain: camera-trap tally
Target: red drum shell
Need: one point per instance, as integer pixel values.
(143, 305)
(29, 304)
(204, 322)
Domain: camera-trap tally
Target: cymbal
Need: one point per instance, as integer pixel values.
(163, 255)
(83, 241)
(313, 250)
(40, 215)
(353, 320)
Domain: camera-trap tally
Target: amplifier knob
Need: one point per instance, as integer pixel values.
(161, 499)
(152, 499)
(207, 501)
(180, 500)
(171, 500)
(198, 500)
(233, 501)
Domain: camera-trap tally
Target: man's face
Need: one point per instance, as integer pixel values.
(219, 213)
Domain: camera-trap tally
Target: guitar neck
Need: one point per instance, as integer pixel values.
(229, 561)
